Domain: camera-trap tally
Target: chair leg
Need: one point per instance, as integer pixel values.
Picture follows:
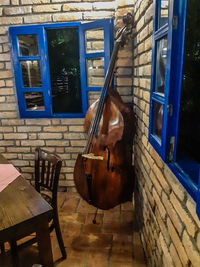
(2, 247)
(59, 235)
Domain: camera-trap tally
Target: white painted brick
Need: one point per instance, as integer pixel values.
(104, 6)
(37, 18)
(10, 20)
(67, 16)
(46, 8)
(77, 7)
(98, 15)
(17, 10)
(4, 2)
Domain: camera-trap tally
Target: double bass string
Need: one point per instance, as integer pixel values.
(95, 123)
(109, 75)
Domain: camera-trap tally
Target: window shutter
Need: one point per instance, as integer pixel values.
(35, 87)
(96, 41)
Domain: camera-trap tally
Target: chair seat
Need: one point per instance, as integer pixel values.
(47, 198)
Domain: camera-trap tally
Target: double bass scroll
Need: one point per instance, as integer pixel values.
(103, 172)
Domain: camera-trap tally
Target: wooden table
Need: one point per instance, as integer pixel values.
(23, 211)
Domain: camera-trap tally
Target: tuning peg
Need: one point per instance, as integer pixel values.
(128, 18)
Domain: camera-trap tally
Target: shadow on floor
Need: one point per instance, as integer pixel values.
(111, 242)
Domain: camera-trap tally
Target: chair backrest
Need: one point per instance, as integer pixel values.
(47, 171)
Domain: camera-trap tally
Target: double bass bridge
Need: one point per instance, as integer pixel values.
(92, 156)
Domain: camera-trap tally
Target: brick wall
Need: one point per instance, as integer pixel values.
(166, 213)
(19, 137)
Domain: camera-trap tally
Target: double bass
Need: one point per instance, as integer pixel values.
(103, 173)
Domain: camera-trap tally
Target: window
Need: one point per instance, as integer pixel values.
(56, 65)
(175, 90)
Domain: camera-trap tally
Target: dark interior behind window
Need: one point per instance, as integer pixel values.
(188, 153)
(63, 52)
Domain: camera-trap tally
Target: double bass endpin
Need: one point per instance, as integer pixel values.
(95, 215)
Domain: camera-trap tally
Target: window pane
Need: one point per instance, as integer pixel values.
(28, 45)
(157, 119)
(95, 72)
(63, 51)
(163, 13)
(31, 73)
(94, 41)
(189, 115)
(161, 59)
(34, 100)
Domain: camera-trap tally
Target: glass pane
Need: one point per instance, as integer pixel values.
(28, 45)
(95, 72)
(31, 73)
(94, 41)
(189, 115)
(34, 100)
(161, 59)
(63, 51)
(157, 119)
(163, 13)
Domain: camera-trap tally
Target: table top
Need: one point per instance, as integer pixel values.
(20, 202)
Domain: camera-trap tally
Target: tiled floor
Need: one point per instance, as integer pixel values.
(111, 242)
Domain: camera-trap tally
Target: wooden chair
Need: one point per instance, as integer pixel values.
(47, 172)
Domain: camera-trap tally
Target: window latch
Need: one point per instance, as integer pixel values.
(171, 151)
(175, 22)
(170, 110)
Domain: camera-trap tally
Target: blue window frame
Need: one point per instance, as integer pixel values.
(170, 48)
(35, 94)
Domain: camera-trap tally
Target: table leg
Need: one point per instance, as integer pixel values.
(14, 253)
(44, 244)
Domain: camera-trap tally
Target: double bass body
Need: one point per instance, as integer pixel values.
(103, 172)
(107, 180)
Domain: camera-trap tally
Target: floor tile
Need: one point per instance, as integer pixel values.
(111, 242)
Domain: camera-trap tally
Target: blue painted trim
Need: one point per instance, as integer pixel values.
(161, 32)
(40, 31)
(38, 114)
(61, 25)
(106, 25)
(31, 89)
(160, 145)
(92, 55)
(156, 13)
(25, 28)
(198, 198)
(82, 49)
(184, 179)
(158, 97)
(177, 68)
(93, 88)
(107, 46)
(68, 115)
(29, 58)
(14, 32)
(172, 95)
(46, 70)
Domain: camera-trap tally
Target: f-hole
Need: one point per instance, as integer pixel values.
(108, 158)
